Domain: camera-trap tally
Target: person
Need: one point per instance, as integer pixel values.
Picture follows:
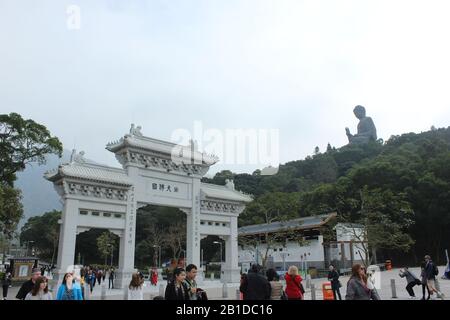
(243, 279)
(111, 279)
(294, 288)
(90, 278)
(275, 284)
(136, 289)
(423, 278)
(99, 277)
(176, 289)
(40, 290)
(431, 271)
(93, 277)
(255, 286)
(195, 292)
(333, 277)
(191, 284)
(82, 283)
(6, 283)
(411, 279)
(154, 277)
(68, 290)
(357, 288)
(28, 286)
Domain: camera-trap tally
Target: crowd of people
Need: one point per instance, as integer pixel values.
(93, 276)
(71, 287)
(256, 285)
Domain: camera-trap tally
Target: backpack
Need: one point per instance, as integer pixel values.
(435, 270)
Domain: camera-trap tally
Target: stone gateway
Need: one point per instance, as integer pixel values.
(152, 173)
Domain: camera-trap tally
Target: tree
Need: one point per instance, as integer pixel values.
(11, 211)
(272, 207)
(22, 142)
(385, 218)
(156, 241)
(176, 238)
(44, 231)
(105, 245)
(276, 206)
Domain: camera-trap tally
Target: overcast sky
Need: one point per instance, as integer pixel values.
(296, 66)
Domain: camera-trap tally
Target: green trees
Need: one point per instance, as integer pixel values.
(105, 245)
(44, 231)
(21, 142)
(11, 210)
(400, 190)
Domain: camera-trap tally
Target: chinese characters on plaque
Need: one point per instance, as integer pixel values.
(165, 187)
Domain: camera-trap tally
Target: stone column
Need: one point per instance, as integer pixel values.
(127, 241)
(193, 229)
(231, 272)
(67, 237)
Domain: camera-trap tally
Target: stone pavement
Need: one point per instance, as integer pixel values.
(214, 289)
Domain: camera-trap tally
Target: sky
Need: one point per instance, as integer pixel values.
(295, 66)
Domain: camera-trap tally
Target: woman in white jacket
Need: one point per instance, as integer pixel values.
(136, 288)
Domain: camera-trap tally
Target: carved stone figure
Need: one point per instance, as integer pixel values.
(136, 131)
(229, 184)
(366, 128)
(78, 158)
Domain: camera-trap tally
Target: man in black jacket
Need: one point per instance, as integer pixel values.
(431, 271)
(27, 286)
(255, 286)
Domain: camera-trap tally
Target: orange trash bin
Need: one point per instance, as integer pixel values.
(327, 291)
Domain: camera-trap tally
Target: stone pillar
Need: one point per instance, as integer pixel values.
(193, 229)
(127, 241)
(67, 237)
(231, 271)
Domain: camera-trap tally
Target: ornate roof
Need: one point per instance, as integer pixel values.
(88, 171)
(214, 191)
(297, 224)
(182, 153)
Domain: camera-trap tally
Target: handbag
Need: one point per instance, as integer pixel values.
(302, 290)
(283, 295)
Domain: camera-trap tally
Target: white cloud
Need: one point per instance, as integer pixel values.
(297, 66)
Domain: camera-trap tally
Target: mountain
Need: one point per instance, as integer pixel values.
(389, 180)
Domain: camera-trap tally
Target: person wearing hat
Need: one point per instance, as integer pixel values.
(28, 286)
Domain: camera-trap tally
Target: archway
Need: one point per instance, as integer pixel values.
(153, 172)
